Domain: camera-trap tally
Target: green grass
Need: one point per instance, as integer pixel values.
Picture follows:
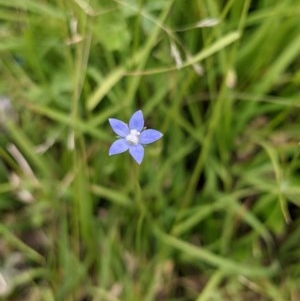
(212, 213)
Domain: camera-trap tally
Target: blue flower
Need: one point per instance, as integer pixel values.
(133, 136)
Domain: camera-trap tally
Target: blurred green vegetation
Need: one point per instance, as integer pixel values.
(213, 211)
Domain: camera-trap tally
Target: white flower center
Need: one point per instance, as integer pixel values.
(133, 137)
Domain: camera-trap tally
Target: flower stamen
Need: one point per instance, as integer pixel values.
(133, 137)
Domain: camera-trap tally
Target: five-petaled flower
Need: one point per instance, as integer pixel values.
(132, 137)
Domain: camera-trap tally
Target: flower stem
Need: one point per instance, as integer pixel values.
(140, 206)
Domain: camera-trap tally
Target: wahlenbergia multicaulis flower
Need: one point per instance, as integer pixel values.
(132, 136)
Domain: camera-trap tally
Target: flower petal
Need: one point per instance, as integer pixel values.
(149, 136)
(119, 127)
(119, 146)
(137, 153)
(136, 121)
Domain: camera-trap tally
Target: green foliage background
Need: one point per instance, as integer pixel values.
(213, 211)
